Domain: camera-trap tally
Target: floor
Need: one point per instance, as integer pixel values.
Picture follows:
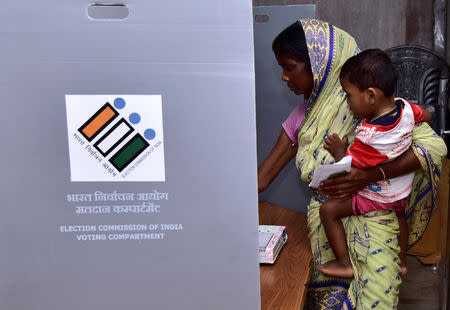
(420, 288)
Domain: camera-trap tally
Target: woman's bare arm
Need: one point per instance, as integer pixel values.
(281, 154)
(359, 178)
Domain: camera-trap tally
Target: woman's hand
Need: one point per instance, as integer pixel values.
(357, 179)
(344, 186)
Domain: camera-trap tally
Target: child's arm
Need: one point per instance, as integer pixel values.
(420, 114)
(427, 116)
(336, 146)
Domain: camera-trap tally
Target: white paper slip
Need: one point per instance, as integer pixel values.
(323, 172)
(264, 238)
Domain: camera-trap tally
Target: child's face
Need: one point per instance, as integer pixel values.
(357, 100)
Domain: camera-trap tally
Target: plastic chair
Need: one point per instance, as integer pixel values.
(423, 78)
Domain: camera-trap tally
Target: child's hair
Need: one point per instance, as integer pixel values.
(371, 68)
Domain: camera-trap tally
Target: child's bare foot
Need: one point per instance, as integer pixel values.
(404, 269)
(336, 269)
(336, 146)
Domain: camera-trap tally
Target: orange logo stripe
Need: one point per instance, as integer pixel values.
(98, 122)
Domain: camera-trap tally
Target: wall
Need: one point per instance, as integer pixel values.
(381, 23)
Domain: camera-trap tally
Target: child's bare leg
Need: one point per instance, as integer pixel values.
(331, 213)
(336, 146)
(402, 240)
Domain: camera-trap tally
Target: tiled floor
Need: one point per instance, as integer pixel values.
(420, 288)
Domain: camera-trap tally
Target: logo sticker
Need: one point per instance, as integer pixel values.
(115, 138)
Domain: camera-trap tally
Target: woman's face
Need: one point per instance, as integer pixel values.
(296, 74)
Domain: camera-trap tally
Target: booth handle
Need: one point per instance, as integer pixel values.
(102, 11)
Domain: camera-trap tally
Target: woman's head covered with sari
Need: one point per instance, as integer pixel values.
(323, 49)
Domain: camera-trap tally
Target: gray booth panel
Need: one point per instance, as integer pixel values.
(199, 59)
(274, 101)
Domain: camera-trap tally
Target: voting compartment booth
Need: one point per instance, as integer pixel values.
(129, 155)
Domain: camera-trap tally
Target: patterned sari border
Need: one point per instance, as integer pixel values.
(425, 155)
(429, 172)
(348, 303)
(422, 195)
(330, 59)
(330, 283)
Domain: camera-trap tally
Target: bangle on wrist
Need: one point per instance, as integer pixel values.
(382, 171)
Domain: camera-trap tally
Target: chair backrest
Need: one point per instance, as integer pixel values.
(423, 79)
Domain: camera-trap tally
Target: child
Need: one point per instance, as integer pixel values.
(384, 133)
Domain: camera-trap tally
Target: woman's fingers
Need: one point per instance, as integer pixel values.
(334, 191)
(346, 184)
(342, 196)
(336, 183)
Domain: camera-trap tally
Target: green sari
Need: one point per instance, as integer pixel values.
(371, 238)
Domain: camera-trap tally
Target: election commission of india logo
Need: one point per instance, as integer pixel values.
(115, 138)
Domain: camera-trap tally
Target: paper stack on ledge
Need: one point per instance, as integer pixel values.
(271, 240)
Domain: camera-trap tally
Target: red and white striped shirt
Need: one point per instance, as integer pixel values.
(375, 144)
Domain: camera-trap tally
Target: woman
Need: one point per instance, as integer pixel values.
(311, 53)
